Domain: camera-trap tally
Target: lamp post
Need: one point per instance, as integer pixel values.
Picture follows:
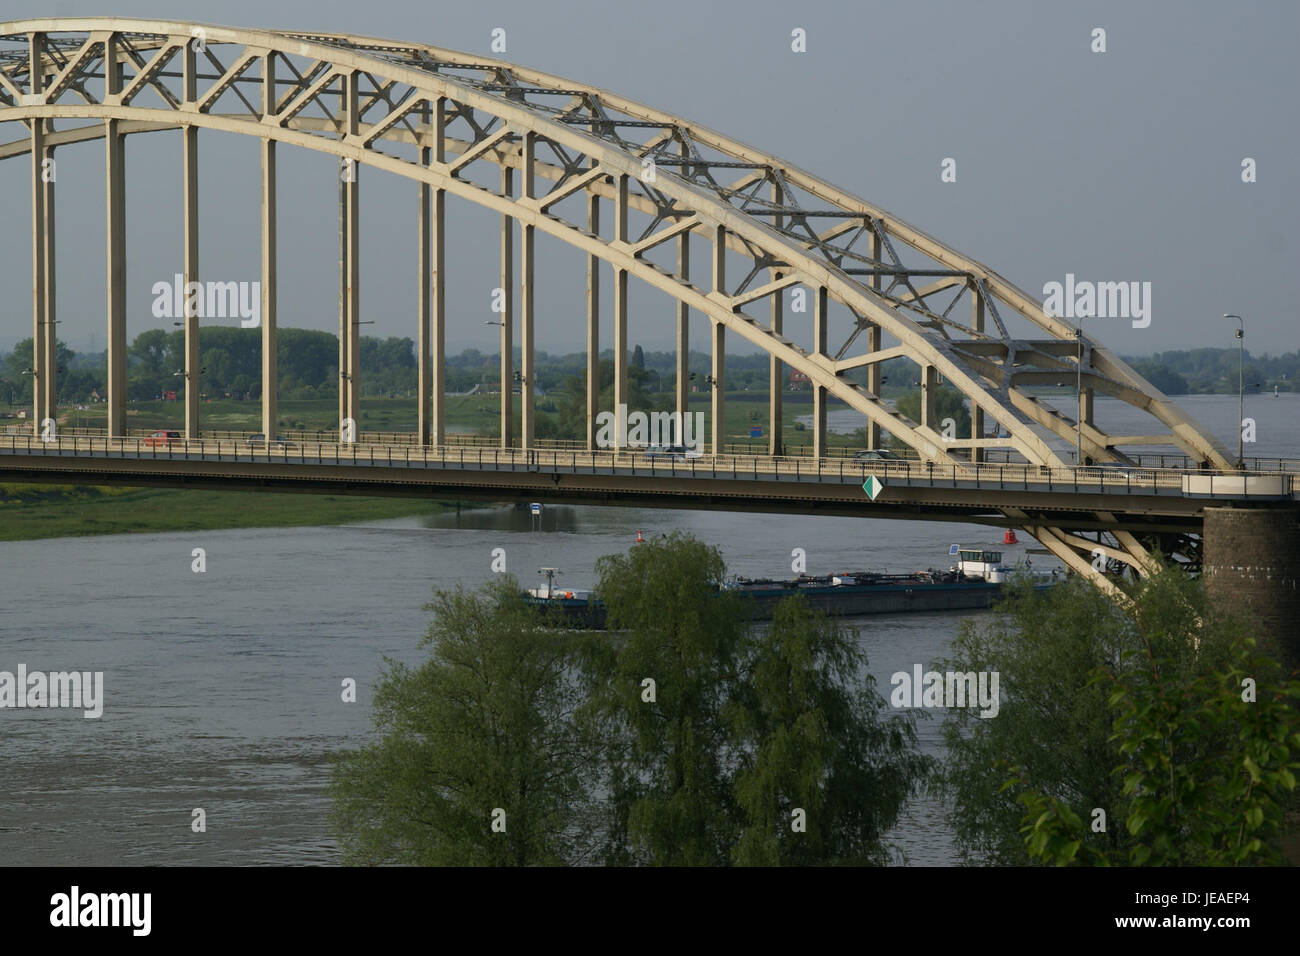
(1078, 365)
(1241, 390)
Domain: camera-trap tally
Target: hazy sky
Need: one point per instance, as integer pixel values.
(1123, 165)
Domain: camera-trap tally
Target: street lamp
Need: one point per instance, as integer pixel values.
(1241, 391)
(1078, 366)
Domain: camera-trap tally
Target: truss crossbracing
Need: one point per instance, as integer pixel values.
(546, 153)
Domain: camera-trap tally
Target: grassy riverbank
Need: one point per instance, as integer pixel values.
(29, 512)
(464, 414)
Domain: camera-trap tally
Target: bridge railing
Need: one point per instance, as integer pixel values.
(632, 463)
(756, 447)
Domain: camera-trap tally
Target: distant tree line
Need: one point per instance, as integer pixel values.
(308, 368)
(1200, 371)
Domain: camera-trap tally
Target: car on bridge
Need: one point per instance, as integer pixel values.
(163, 439)
(873, 454)
(259, 441)
(672, 452)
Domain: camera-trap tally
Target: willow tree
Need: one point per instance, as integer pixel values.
(476, 758)
(726, 741)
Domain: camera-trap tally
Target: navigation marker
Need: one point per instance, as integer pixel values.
(873, 486)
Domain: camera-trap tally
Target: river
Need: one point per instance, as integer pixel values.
(222, 689)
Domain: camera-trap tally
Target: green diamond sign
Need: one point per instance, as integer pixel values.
(873, 486)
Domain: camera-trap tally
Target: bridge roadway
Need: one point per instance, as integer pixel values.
(1011, 495)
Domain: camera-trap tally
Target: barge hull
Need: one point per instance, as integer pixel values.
(834, 601)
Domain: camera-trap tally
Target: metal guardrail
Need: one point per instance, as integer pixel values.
(753, 448)
(1003, 477)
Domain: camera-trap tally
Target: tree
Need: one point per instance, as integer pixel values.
(484, 725)
(571, 399)
(1053, 722)
(665, 758)
(149, 350)
(814, 747)
(76, 385)
(948, 403)
(741, 727)
(21, 358)
(1162, 377)
(1205, 742)
(1136, 710)
(638, 358)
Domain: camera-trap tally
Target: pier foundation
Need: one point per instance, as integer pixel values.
(1252, 567)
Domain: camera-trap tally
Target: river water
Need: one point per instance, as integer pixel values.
(222, 689)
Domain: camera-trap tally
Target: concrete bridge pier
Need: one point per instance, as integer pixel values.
(1252, 567)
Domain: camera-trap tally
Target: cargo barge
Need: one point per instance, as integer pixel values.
(976, 582)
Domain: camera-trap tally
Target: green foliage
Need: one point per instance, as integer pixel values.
(666, 760)
(1044, 647)
(1162, 377)
(485, 723)
(748, 725)
(807, 730)
(948, 403)
(1215, 370)
(684, 736)
(16, 387)
(1208, 774)
(1136, 710)
(570, 400)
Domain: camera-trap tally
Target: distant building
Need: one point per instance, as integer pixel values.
(799, 380)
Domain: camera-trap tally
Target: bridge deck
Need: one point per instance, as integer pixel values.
(1159, 499)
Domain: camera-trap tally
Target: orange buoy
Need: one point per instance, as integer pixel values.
(1009, 537)
(640, 539)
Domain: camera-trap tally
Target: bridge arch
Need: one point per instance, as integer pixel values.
(368, 100)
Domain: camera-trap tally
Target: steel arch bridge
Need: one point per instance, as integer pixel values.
(474, 127)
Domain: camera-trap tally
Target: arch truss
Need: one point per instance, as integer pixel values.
(627, 185)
